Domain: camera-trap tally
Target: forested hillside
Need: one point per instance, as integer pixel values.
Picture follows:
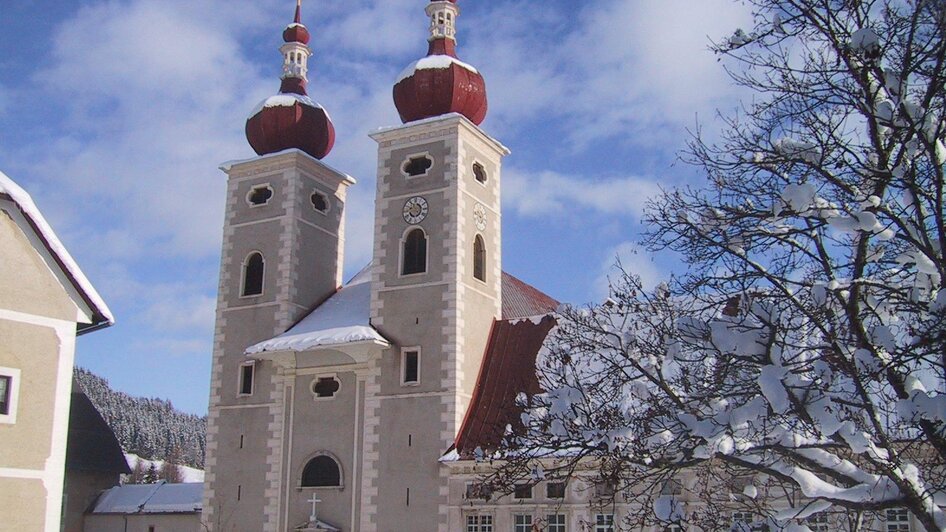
(148, 427)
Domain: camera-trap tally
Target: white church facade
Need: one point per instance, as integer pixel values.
(341, 406)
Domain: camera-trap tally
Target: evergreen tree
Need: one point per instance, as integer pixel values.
(152, 476)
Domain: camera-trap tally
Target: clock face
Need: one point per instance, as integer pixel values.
(479, 216)
(415, 210)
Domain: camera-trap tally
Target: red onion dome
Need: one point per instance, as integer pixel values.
(289, 120)
(296, 32)
(440, 84)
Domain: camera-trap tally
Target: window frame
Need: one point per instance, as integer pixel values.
(474, 522)
(548, 488)
(901, 521)
(325, 198)
(419, 155)
(479, 257)
(604, 522)
(260, 186)
(485, 173)
(403, 367)
(244, 268)
(517, 526)
(560, 525)
(13, 394)
(477, 491)
(338, 466)
(241, 378)
(403, 253)
(317, 378)
(519, 492)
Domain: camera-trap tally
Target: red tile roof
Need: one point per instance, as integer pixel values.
(508, 369)
(521, 300)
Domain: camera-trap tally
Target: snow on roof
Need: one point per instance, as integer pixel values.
(227, 165)
(285, 99)
(160, 498)
(342, 319)
(432, 62)
(101, 315)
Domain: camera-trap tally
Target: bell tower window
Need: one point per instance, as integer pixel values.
(319, 202)
(259, 195)
(253, 268)
(414, 254)
(479, 258)
(417, 165)
(479, 173)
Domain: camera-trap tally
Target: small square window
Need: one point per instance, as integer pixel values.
(523, 491)
(9, 391)
(6, 383)
(555, 490)
(477, 490)
(604, 490)
(247, 370)
(410, 366)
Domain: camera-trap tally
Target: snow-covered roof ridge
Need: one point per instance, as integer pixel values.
(102, 315)
(341, 320)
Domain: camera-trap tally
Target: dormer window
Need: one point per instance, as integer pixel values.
(259, 195)
(417, 165)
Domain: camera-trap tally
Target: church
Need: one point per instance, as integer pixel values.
(357, 406)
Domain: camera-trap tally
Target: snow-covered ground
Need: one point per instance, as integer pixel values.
(189, 474)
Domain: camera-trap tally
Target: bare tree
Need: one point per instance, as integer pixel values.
(171, 469)
(803, 353)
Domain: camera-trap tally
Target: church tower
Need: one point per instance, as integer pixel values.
(436, 280)
(282, 255)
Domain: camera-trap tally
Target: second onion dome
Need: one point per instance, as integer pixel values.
(440, 83)
(291, 119)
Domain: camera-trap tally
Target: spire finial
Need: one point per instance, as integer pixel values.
(298, 19)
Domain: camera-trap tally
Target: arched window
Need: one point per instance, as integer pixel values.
(253, 274)
(321, 471)
(415, 253)
(479, 258)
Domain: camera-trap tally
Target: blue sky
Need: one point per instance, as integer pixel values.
(115, 114)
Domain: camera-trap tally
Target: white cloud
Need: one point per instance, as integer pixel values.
(550, 193)
(626, 69)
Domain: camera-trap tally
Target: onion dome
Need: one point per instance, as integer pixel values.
(296, 32)
(291, 119)
(440, 83)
